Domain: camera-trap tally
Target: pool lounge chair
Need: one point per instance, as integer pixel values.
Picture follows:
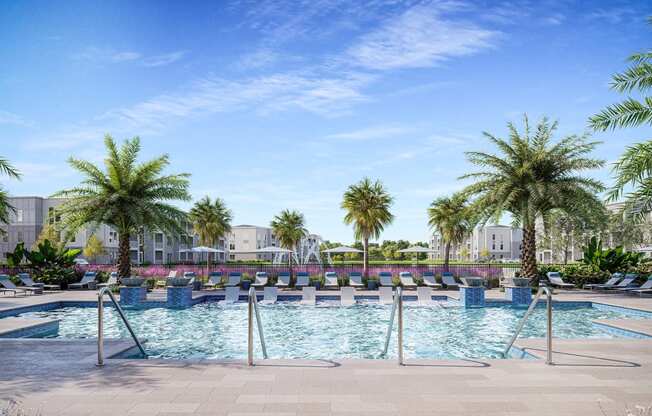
(303, 280)
(645, 288)
(330, 280)
(555, 280)
(355, 279)
(627, 281)
(214, 279)
(429, 279)
(615, 278)
(385, 295)
(231, 295)
(448, 280)
(283, 279)
(270, 295)
(347, 296)
(385, 279)
(424, 296)
(112, 281)
(406, 280)
(261, 279)
(87, 279)
(26, 280)
(164, 282)
(7, 285)
(308, 295)
(234, 279)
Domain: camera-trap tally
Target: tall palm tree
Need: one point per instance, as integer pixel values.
(5, 207)
(289, 228)
(367, 204)
(530, 177)
(126, 196)
(450, 216)
(634, 168)
(210, 220)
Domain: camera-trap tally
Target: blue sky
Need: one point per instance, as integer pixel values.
(283, 104)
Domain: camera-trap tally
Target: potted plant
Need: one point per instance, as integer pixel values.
(316, 282)
(472, 281)
(133, 281)
(245, 283)
(372, 284)
(179, 281)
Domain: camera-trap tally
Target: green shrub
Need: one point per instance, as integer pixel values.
(582, 274)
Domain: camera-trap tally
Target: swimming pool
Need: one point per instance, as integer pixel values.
(328, 331)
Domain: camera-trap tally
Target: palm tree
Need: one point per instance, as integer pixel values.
(289, 229)
(126, 196)
(367, 204)
(530, 177)
(5, 207)
(210, 220)
(451, 217)
(634, 168)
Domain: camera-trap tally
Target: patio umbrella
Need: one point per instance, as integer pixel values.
(417, 250)
(341, 249)
(204, 249)
(276, 250)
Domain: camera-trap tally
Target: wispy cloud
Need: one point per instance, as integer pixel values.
(110, 56)
(374, 132)
(613, 15)
(7, 117)
(419, 38)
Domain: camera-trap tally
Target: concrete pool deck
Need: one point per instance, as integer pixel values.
(590, 377)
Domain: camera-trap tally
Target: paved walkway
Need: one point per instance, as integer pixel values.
(589, 377)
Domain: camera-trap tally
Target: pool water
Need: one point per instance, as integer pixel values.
(213, 331)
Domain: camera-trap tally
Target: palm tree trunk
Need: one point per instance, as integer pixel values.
(365, 242)
(528, 253)
(124, 262)
(447, 254)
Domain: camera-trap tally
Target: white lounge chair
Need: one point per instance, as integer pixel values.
(406, 280)
(347, 296)
(164, 283)
(214, 279)
(627, 281)
(429, 280)
(448, 280)
(283, 279)
(303, 280)
(270, 295)
(87, 279)
(26, 279)
(615, 278)
(261, 279)
(234, 279)
(330, 280)
(555, 280)
(355, 279)
(385, 279)
(424, 296)
(231, 295)
(308, 295)
(385, 295)
(112, 281)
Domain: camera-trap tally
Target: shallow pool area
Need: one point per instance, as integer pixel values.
(328, 331)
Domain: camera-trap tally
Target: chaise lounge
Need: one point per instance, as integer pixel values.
(330, 280)
(86, 282)
(26, 280)
(9, 286)
(406, 280)
(355, 279)
(386, 279)
(448, 280)
(555, 280)
(429, 280)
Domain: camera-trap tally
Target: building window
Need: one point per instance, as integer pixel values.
(231, 256)
(19, 215)
(158, 256)
(19, 236)
(5, 237)
(168, 240)
(231, 246)
(493, 246)
(493, 236)
(158, 238)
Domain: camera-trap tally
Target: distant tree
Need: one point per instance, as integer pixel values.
(464, 254)
(49, 232)
(367, 206)
(289, 228)
(94, 248)
(5, 207)
(127, 196)
(451, 217)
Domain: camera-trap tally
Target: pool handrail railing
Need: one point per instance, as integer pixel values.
(253, 309)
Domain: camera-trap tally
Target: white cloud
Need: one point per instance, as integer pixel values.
(162, 60)
(258, 59)
(10, 118)
(613, 16)
(374, 132)
(419, 38)
(110, 56)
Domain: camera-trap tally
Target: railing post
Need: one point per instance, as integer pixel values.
(549, 328)
(399, 293)
(250, 331)
(100, 329)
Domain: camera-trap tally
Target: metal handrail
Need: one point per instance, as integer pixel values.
(253, 308)
(100, 324)
(533, 304)
(397, 305)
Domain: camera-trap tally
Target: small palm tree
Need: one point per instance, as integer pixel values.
(450, 216)
(210, 220)
(5, 207)
(289, 228)
(368, 208)
(531, 177)
(127, 196)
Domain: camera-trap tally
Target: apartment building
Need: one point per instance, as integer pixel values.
(244, 240)
(33, 213)
(495, 242)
